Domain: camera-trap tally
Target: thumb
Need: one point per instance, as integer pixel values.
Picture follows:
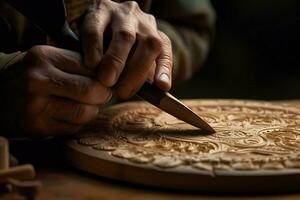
(67, 61)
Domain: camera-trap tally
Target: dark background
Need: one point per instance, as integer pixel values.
(255, 54)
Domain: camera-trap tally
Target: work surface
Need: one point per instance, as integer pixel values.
(63, 182)
(68, 184)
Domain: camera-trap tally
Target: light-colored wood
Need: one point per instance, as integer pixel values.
(256, 143)
(22, 172)
(4, 154)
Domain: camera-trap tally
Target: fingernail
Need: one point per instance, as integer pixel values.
(108, 76)
(164, 78)
(125, 91)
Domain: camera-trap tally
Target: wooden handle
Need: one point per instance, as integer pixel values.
(151, 93)
(22, 172)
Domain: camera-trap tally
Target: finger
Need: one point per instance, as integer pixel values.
(163, 74)
(65, 60)
(114, 60)
(92, 33)
(138, 66)
(78, 88)
(59, 128)
(71, 112)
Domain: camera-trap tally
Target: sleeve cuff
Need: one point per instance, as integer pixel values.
(7, 60)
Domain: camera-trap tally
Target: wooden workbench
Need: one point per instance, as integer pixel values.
(67, 184)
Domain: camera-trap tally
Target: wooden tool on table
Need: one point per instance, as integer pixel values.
(50, 17)
(17, 178)
(21, 172)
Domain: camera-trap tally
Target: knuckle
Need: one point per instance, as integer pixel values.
(132, 5)
(37, 53)
(151, 18)
(154, 42)
(44, 50)
(39, 49)
(126, 35)
(165, 39)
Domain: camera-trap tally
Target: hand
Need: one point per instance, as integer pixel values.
(137, 50)
(54, 95)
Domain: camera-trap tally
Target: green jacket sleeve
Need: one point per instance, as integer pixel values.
(16, 34)
(190, 26)
(7, 60)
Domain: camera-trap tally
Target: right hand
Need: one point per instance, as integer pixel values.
(55, 95)
(136, 52)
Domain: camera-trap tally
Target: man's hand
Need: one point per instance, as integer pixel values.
(55, 94)
(137, 50)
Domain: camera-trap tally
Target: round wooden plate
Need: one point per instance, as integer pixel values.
(256, 147)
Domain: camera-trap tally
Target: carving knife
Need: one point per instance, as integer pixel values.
(168, 103)
(50, 17)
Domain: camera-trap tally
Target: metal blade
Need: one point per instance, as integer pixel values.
(168, 103)
(176, 108)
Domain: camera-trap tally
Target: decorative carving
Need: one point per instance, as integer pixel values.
(250, 135)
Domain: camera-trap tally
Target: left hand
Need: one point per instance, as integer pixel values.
(137, 51)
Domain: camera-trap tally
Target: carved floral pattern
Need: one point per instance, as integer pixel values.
(250, 135)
